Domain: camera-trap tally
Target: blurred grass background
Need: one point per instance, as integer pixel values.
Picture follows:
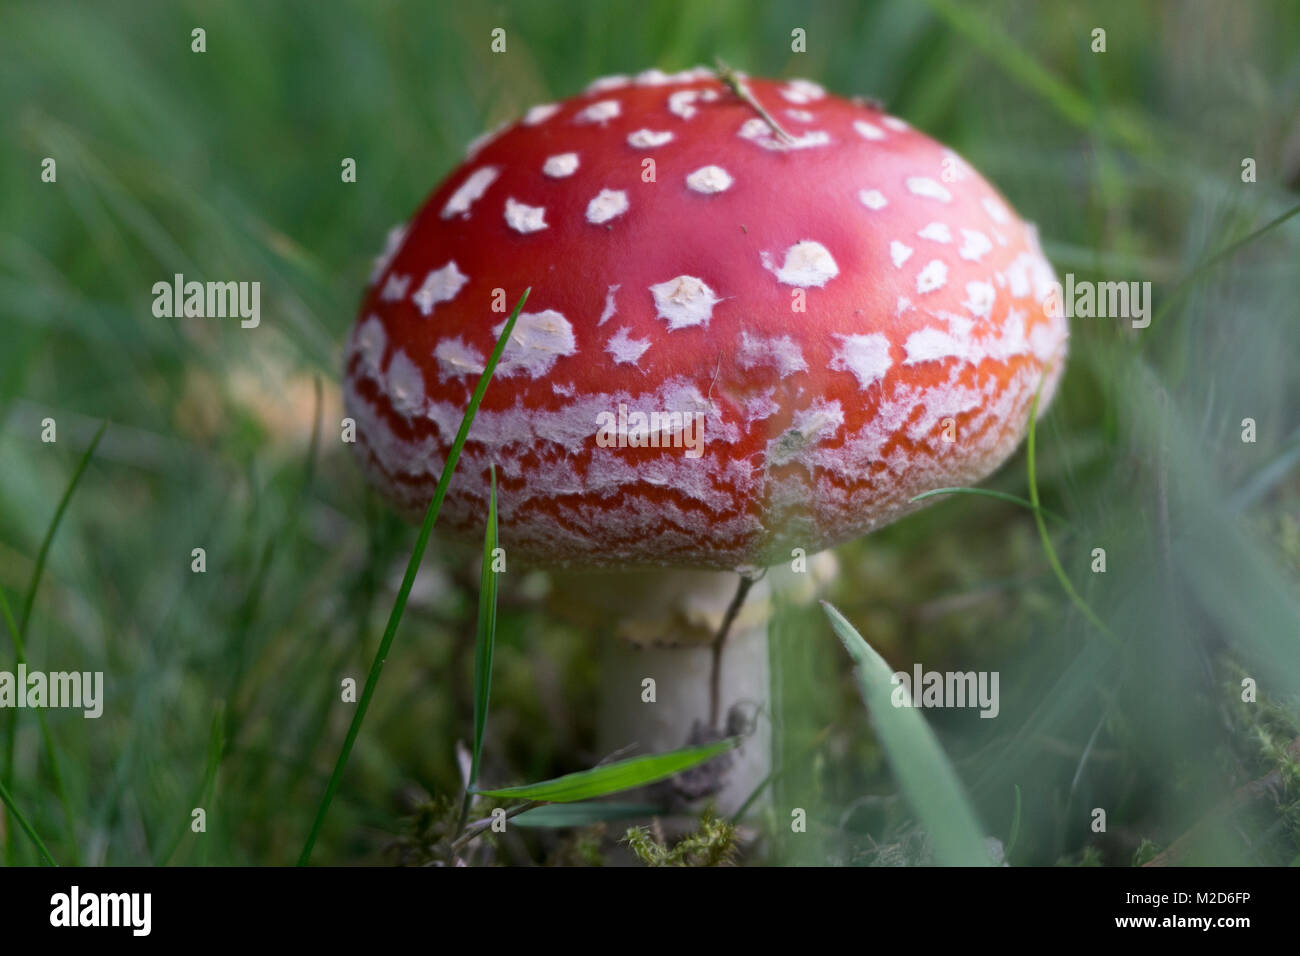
(223, 687)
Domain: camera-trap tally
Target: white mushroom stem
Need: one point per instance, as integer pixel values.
(664, 625)
(688, 608)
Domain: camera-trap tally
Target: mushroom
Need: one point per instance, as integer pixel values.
(763, 319)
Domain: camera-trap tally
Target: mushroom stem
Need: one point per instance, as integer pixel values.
(703, 642)
(703, 691)
(687, 664)
(728, 76)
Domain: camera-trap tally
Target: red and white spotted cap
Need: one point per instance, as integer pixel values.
(856, 315)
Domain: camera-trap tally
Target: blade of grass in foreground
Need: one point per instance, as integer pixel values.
(484, 642)
(561, 815)
(614, 777)
(925, 775)
(22, 822)
(19, 633)
(487, 631)
(430, 516)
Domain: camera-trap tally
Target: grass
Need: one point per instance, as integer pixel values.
(26, 827)
(987, 493)
(223, 687)
(16, 632)
(613, 777)
(484, 644)
(404, 592)
(1226, 252)
(925, 775)
(1048, 549)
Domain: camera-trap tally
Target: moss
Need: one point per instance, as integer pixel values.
(427, 834)
(713, 843)
(1147, 851)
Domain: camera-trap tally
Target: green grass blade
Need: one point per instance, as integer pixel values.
(1014, 835)
(926, 777)
(18, 633)
(484, 644)
(216, 750)
(54, 526)
(399, 606)
(559, 815)
(248, 608)
(986, 493)
(1267, 477)
(20, 655)
(614, 777)
(20, 651)
(487, 632)
(47, 738)
(1203, 269)
(26, 827)
(1022, 67)
(1052, 559)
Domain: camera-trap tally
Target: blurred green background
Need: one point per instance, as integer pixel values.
(223, 687)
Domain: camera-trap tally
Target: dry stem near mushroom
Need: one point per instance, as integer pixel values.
(763, 319)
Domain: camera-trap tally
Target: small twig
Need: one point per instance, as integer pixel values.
(732, 80)
(719, 639)
(481, 826)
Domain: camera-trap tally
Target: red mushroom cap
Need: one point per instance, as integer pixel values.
(857, 315)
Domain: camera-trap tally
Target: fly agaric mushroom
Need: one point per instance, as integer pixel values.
(763, 319)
